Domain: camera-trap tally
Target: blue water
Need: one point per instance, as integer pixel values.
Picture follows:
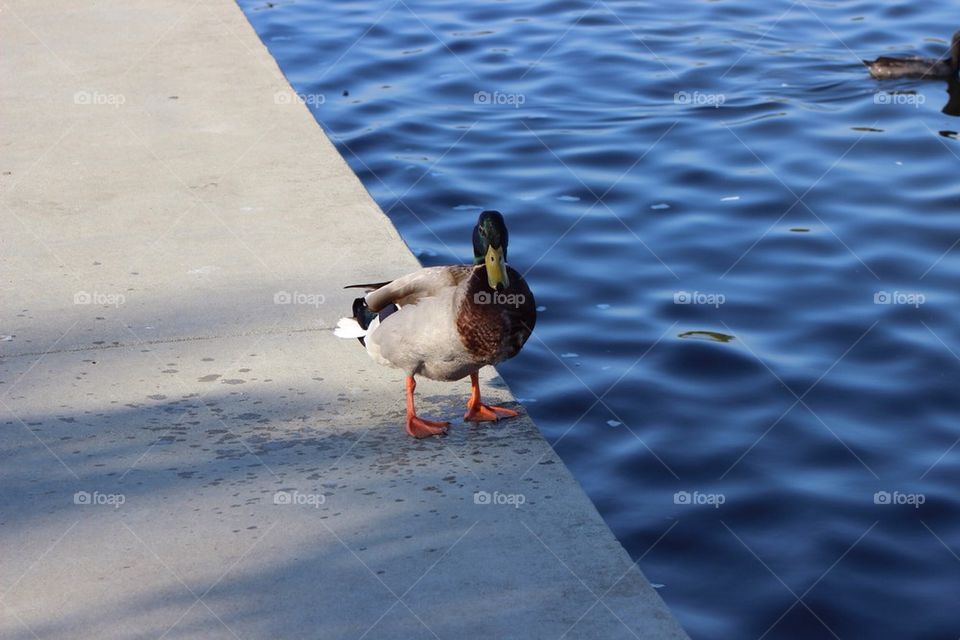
(737, 152)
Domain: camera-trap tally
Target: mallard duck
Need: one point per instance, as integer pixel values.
(885, 68)
(445, 323)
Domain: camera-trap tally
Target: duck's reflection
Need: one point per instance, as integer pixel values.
(952, 108)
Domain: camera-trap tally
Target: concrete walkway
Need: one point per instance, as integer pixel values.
(185, 449)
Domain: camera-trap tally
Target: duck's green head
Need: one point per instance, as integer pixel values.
(490, 248)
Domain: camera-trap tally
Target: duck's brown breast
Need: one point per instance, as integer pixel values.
(494, 325)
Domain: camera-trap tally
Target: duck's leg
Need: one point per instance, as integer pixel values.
(479, 412)
(417, 426)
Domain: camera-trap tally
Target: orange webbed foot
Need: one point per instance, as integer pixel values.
(479, 412)
(417, 426)
(486, 413)
(420, 428)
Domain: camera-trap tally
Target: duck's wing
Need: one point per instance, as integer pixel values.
(407, 289)
(369, 286)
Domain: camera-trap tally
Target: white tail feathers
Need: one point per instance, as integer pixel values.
(349, 328)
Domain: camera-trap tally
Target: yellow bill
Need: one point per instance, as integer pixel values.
(496, 269)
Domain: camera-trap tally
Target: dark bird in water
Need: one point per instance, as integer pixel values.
(885, 68)
(447, 323)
